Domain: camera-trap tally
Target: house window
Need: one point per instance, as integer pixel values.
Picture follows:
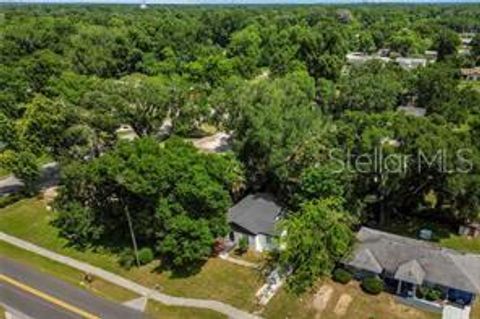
(268, 240)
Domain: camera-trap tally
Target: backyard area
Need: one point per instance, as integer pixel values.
(217, 279)
(445, 235)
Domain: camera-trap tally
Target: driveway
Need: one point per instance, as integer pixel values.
(452, 312)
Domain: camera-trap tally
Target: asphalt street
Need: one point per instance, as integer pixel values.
(41, 296)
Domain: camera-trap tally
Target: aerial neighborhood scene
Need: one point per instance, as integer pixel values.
(239, 159)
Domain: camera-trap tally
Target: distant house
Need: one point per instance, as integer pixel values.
(411, 63)
(470, 229)
(471, 74)
(216, 143)
(413, 110)
(466, 39)
(406, 264)
(254, 218)
(431, 54)
(126, 132)
(359, 58)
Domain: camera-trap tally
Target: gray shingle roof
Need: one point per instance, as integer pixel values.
(441, 266)
(411, 272)
(257, 213)
(364, 259)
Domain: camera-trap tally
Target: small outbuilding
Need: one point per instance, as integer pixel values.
(471, 74)
(470, 229)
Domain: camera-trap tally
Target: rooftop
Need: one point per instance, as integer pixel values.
(413, 110)
(256, 213)
(415, 260)
(470, 71)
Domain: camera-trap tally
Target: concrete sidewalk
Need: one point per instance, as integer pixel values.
(214, 305)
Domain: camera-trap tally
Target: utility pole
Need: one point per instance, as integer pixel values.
(132, 234)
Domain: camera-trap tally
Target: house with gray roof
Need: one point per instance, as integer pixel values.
(255, 218)
(407, 263)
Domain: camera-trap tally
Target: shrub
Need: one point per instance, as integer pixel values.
(433, 294)
(420, 292)
(145, 256)
(372, 285)
(242, 245)
(9, 199)
(127, 258)
(428, 293)
(342, 276)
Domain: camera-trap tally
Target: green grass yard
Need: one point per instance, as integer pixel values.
(157, 310)
(218, 279)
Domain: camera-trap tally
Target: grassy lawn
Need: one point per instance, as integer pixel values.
(218, 279)
(99, 287)
(461, 243)
(475, 314)
(287, 305)
(362, 306)
(158, 310)
(249, 255)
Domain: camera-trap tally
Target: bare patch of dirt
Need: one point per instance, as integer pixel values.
(342, 305)
(322, 297)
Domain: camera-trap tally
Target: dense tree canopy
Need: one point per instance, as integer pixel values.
(303, 121)
(168, 190)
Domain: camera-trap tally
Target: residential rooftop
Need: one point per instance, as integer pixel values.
(415, 260)
(256, 213)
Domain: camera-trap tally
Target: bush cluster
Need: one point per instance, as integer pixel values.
(342, 276)
(372, 285)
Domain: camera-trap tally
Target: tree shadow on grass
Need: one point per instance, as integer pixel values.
(180, 272)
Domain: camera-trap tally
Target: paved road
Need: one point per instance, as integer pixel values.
(214, 305)
(41, 296)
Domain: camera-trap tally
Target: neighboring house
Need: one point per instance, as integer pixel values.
(467, 39)
(359, 58)
(411, 63)
(254, 218)
(217, 143)
(406, 263)
(126, 132)
(470, 229)
(413, 110)
(471, 74)
(431, 55)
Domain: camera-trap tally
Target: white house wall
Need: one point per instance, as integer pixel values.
(262, 244)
